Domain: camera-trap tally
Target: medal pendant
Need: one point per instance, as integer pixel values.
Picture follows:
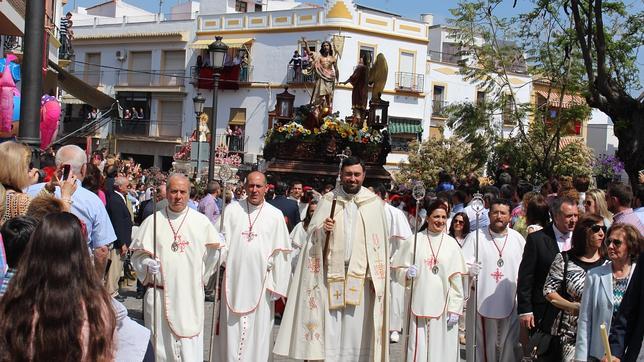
(500, 262)
(435, 269)
(174, 246)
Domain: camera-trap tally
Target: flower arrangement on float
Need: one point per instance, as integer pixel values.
(332, 125)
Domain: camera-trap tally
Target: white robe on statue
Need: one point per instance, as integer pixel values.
(257, 267)
(399, 231)
(184, 272)
(497, 326)
(435, 295)
(340, 315)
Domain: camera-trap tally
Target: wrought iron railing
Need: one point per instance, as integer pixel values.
(412, 82)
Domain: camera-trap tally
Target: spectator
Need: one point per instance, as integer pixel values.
(288, 207)
(459, 227)
(93, 181)
(537, 214)
(65, 27)
(44, 205)
(55, 308)
(595, 203)
(619, 198)
(564, 285)
(15, 236)
(604, 290)
(15, 176)
(208, 205)
(296, 64)
(86, 205)
(581, 184)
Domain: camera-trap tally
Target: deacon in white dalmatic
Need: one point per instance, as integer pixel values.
(437, 300)
(338, 300)
(258, 271)
(399, 231)
(187, 253)
(500, 251)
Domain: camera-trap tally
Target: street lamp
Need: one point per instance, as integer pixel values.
(198, 101)
(218, 52)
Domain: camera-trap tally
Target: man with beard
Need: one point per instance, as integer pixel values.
(499, 255)
(338, 300)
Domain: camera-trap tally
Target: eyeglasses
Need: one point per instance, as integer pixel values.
(457, 222)
(595, 228)
(615, 242)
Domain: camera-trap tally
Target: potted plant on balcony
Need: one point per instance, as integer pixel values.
(606, 169)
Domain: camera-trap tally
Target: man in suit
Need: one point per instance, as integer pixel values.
(287, 206)
(540, 250)
(122, 222)
(627, 330)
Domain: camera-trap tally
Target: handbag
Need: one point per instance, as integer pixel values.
(542, 345)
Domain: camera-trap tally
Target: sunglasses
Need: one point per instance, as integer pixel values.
(456, 222)
(595, 228)
(615, 242)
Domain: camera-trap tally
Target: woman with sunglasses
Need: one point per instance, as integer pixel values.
(459, 227)
(605, 287)
(595, 203)
(586, 253)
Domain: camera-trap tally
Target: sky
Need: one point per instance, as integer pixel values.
(406, 8)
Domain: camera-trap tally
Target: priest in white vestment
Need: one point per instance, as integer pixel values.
(399, 231)
(500, 251)
(437, 300)
(187, 252)
(258, 271)
(338, 299)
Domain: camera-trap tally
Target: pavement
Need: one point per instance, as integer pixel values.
(135, 307)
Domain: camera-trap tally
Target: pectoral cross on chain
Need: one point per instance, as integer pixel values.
(249, 235)
(179, 245)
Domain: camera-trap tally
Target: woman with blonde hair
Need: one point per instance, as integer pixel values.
(16, 176)
(595, 203)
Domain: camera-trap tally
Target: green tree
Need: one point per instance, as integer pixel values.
(428, 158)
(489, 60)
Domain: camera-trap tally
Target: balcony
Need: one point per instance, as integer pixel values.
(439, 108)
(151, 78)
(131, 127)
(410, 82)
(294, 76)
(230, 76)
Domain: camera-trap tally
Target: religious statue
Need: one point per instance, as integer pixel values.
(324, 65)
(360, 90)
(204, 131)
(378, 76)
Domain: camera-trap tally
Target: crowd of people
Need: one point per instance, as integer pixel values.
(514, 270)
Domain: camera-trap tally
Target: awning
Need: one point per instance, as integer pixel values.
(567, 101)
(231, 42)
(237, 117)
(70, 99)
(402, 125)
(81, 90)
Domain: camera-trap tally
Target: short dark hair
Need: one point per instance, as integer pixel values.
(213, 186)
(460, 196)
(281, 188)
(435, 204)
(537, 211)
(380, 190)
(506, 191)
(296, 182)
(111, 171)
(581, 183)
(499, 201)
(352, 161)
(623, 192)
(16, 233)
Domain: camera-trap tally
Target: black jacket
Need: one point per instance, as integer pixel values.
(121, 220)
(539, 252)
(290, 210)
(627, 330)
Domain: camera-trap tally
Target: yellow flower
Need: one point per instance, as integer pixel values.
(280, 129)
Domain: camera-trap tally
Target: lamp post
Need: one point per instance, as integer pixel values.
(198, 101)
(218, 52)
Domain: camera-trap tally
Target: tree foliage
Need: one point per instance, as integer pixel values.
(428, 158)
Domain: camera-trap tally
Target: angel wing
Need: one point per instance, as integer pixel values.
(378, 76)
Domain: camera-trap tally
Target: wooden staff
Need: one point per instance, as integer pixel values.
(418, 192)
(343, 156)
(225, 174)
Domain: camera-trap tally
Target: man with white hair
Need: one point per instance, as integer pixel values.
(86, 205)
(179, 254)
